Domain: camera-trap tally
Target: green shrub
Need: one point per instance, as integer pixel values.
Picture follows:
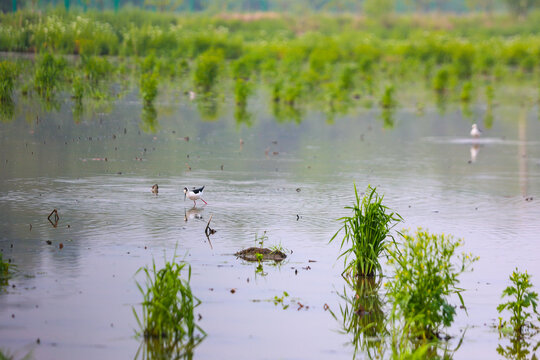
(425, 276)
(367, 231)
(522, 298)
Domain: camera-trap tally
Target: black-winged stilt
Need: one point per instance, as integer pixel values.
(194, 194)
(475, 131)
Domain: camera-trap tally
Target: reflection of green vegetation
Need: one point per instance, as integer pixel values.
(362, 316)
(518, 349)
(387, 116)
(522, 298)
(242, 116)
(167, 322)
(425, 276)
(366, 231)
(7, 110)
(285, 113)
(208, 106)
(149, 123)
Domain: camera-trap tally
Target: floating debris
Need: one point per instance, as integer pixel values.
(56, 218)
(250, 254)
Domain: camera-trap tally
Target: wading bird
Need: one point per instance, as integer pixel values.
(194, 194)
(475, 131)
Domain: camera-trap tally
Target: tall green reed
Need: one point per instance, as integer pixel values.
(366, 233)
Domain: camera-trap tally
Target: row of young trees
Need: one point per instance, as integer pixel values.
(371, 7)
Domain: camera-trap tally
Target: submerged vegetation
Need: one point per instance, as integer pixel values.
(366, 233)
(167, 322)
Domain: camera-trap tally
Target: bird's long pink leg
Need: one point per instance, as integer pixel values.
(194, 203)
(204, 201)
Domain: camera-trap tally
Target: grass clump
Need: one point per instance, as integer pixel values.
(522, 299)
(167, 321)
(48, 74)
(366, 233)
(425, 277)
(7, 81)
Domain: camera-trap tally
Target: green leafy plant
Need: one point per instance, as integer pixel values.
(167, 321)
(522, 299)
(425, 276)
(366, 233)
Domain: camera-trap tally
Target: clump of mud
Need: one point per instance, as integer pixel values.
(250, 254)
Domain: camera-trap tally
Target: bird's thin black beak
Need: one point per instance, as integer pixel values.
(184, 196)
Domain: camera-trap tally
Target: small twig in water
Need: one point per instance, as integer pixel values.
(56, 218)
(209, 231)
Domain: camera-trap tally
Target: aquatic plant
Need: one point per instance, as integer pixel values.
(522, 299)
(149, 86)
(8, 72)
(207, 69)
(441, 80)
(346, 79)
(366, 233)
(96, 68)
(167, 322)
(49, 70)
(242, 89)
(466, 92)
(425, 276)
(362, 316)
(388, 101)
(78, 88)
(4, 271)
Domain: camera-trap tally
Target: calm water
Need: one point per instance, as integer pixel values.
(290, 180)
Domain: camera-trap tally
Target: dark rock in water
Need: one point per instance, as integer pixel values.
(250, 254)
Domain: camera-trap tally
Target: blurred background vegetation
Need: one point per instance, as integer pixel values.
(371, 7)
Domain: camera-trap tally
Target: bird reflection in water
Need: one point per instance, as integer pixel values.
(475, 149)
(193, 214)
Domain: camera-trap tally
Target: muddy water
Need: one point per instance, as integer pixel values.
(290, 180)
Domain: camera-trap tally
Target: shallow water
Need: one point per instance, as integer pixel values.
(290, 180)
